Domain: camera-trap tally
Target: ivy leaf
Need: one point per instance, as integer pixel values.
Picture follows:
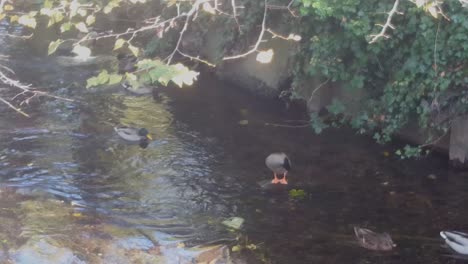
(53, 46)
(28, 21)
(82, 27)
(133, 49)
(336, 107)
(119, 43)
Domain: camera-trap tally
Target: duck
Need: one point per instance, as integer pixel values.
(127, 63)
(278, 163)
(137, 90)
(458, 241)
(132, 134)
(372, 240)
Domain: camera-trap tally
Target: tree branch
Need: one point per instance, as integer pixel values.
(388, 24)
(259, 40)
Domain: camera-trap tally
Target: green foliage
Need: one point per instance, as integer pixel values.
(297, 194)
(418, 74)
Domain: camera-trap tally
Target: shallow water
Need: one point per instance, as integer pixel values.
(66, 176)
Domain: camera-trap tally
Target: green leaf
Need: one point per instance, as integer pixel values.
(111, 5)
(55, 17)
(102, 78)
(90, 20)
(114, 78)
(28, 21)
(82, 27)
(65, 27)
(53, 46)
(336, 107)
(134, 50)
(119, 43)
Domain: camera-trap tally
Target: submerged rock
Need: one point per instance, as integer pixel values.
(43, 251)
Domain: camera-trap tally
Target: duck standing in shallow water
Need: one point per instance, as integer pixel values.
(134, 135)
(458, 241)
(278, 163)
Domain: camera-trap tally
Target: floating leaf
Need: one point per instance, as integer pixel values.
(82, 27)
(53, 46)
(244, 122)
(234, 222)
(236, 248)
(134, 50)
(265, 56)
(14, 18)
(28, 21)
(119, 43)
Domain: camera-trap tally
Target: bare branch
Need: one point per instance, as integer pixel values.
(388, 24)
(26, 90)
(196, 58)
(259, 40)
(13, 107)
(188, 15)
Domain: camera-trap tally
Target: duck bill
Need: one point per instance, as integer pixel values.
(149, 137)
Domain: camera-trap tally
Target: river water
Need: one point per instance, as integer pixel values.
(73, 192)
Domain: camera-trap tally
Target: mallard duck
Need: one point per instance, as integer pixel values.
(137, 90)
(127, 63)
(133, 134)
(374, 241)
(278, 163)
(458, 241)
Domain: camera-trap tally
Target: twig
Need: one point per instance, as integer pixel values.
(259, 40)
(188, 15)
(196, 58)
(316, 89)
(388, 24)
(288, 7)
(2, 3)
(13, 107)
(435, 48)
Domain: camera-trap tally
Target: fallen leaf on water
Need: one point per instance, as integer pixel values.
(236, 248)
(244, 122)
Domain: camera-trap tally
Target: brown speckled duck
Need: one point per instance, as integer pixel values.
(372, 240)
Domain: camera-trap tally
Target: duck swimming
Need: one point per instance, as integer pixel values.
(458, 241)
(140, 135)
(278, 163)
(372, 240)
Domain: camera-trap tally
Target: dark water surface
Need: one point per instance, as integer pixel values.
(69, 184)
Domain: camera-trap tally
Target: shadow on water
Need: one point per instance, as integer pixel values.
(70, 186)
